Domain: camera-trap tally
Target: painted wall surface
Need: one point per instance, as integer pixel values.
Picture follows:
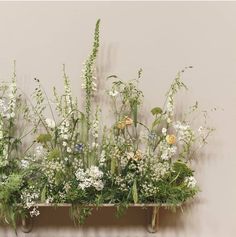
(161, 38)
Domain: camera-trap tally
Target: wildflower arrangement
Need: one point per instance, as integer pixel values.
(74, 159)
(14, 130)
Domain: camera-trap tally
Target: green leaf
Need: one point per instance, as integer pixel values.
(135, 112)
(43, 194)
(156, 110)
(44, 138)
(135, 192)
(113, 165)
(58, 178)
(54, 154)
(83, 128)
(156, 122)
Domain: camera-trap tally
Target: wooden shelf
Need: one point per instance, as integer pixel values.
(153, 217)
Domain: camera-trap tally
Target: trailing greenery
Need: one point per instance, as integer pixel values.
(72, 158)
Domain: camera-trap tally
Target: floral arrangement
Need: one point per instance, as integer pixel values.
(70, 157)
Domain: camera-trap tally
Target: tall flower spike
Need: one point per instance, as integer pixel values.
(12, 95)
(88, 76)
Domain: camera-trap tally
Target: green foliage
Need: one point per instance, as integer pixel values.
(180, 171)
(156, 111)
(44, 138)
(54, 154)
(135, 192)
(79, 213)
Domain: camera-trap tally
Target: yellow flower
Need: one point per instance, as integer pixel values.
(135, 156)
(138, 155)
(171, 139)
(128, 121)
(120, 125)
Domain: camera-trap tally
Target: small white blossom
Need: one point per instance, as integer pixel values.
(164, 130)
(24, 163)
(90, 177)
(65, 136)
(39, 151)
(113, 93)
(34, 212)
(168, 120)
(191, 182)
(166, 150)
(185, 133)
(50, 123)
(68, 150)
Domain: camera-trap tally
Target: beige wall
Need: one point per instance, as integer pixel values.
(161, 38)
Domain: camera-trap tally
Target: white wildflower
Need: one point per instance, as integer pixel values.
(102, 158)
(68, 150)
(65, 136)
(191, 182)
(164, 131)
(50, 123)
(24, 163)
(95, 173)
(34, 212)
(90, 178)
(167, 151)
(168, 120)
(39, 151)
(185, 133)
(113, 93)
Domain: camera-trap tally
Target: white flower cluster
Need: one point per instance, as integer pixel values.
(12, 100)
(40, 152)
(124, 159)
(8, 105)
(25, 163)
(170, 104)
(68, 97)
(185, 133)
(83, 76)
(3, 178)
(121, 182)
(113, 93)
(149, 189)
(3, 146)
(3, 107)
(50, 123)
(160, 169)
(102, 158)
(64, 129)
(67, 187)
(191, 182)
(166, 150)
(34, 212)
(65, 134)
(90, 178)
(164, 131)
(95, 131)
(50, 168)
(29, 197)
(157, 170)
